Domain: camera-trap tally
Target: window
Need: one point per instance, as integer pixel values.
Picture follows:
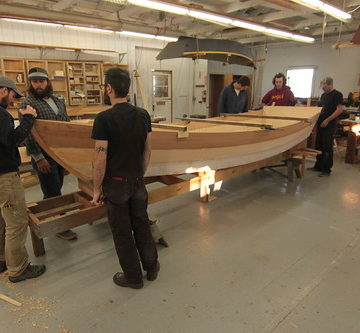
(300, 80)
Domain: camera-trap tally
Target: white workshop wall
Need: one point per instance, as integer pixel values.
(144, 61)
(342, 65)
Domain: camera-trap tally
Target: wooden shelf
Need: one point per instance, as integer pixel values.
(88, 74)
(13, 71)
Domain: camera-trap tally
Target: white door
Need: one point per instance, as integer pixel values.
(162, 94)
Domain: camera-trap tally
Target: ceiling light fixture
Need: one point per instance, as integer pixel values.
(128, 33)
(166, 7)
(149, 36)
(87, 29)
(217, 19)
(33, 22)
(326, 8)
(201, 15)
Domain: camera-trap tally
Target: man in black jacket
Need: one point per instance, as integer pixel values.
(234, 97)
(49, 107)
(13, 217)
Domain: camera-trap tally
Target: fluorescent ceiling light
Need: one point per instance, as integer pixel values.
(128, 33)
(210, 17)
(167, 39)
(326, 8)
(276, 32)
(218, 19)
(301, 38)
(87, 29)
(166, 7)
(149, 36)
(249, 26)
(32, 22)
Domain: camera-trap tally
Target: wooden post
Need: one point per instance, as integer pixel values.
(38, 244)
(351, 151)
(204, 187)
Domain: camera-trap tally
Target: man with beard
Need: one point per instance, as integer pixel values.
(121, 157)
(13, 214)
(50, 173)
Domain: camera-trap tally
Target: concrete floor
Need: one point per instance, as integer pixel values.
(265, 256)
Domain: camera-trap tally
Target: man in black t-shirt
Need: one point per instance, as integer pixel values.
(332, 106)
(122, 154)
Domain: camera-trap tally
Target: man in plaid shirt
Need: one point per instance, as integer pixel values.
(49, 107)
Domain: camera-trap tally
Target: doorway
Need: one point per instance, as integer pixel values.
(217, 83)
(162, 94)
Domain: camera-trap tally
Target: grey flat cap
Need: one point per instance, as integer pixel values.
(327, 81)
(8, 83)
(37, 73)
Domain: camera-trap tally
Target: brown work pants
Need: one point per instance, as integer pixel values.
(13, 224)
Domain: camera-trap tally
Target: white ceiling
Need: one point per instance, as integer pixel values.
(281, 14)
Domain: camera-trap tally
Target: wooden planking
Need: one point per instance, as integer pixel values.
(59, 210)
(305, 112)
(50, 203)
(182, 130)
(227, 122)
(261, 116)
(71, 220)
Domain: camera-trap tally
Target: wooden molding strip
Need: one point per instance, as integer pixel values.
(263, 116)
(344, 45)
(55, 47)
(182, 130)
(229, 122)
(170, 126)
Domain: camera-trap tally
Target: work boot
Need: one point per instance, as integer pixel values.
(120, 280)
(163, 242)
(152, 274)
(67, 235)
(31, 272)
(313, 169)
(3, 267)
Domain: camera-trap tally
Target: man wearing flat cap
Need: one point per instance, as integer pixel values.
(13, 214)
(332, 107)
(49, 107)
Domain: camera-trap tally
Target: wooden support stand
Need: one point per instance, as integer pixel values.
(54, 215)
(51, 216)
(295, 163)
(352, 148)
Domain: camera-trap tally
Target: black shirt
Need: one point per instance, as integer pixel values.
(10, 138)
(329, 102)
(125, 127)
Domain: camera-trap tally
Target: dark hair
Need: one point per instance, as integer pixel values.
(278, 76)
(244, 81)
(119, 79)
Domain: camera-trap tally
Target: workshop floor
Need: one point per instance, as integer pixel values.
(265, 256)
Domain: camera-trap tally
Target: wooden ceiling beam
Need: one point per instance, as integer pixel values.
(284, 4)
(63, 4)
(28, 12)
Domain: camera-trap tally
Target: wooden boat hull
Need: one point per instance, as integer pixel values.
(208, 146)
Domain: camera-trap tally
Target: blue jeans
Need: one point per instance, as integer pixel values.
(50, 183)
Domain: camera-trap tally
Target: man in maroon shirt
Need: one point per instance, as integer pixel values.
(281, 95)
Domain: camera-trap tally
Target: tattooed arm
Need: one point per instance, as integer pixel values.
(99, 166)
